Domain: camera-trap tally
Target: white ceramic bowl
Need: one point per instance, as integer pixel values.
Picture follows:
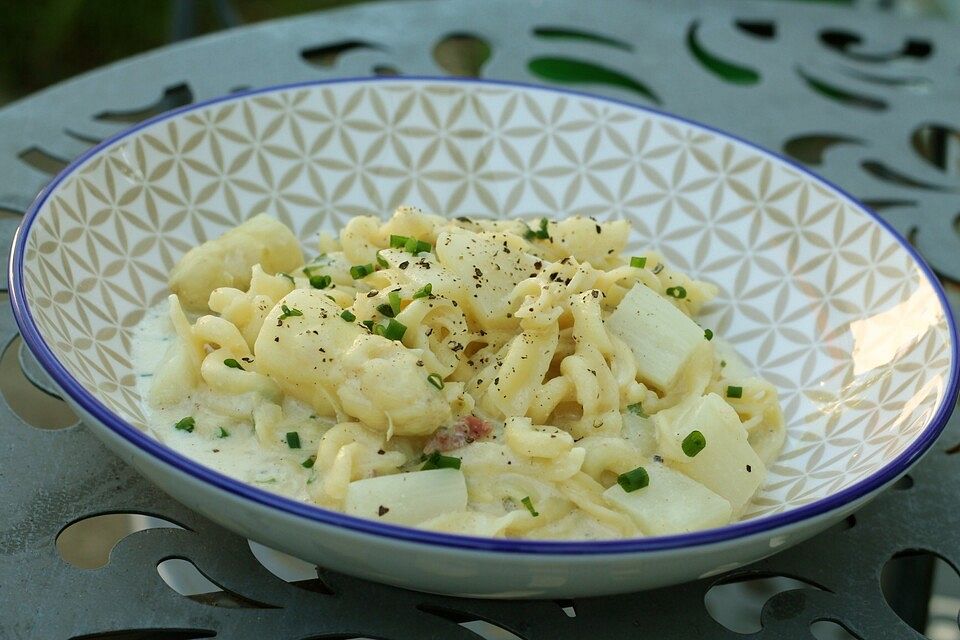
(817, 293)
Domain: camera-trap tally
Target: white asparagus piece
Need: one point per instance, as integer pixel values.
(660, 336)
(671, 503)
(407, 498)
(727, 465)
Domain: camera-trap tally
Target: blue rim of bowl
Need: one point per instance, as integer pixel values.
(891, 471)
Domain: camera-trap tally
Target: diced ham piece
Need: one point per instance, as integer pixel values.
(464, 431)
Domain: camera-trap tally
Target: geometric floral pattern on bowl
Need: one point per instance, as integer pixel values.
(819, 297)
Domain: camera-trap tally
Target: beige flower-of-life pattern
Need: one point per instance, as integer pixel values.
(797, 265)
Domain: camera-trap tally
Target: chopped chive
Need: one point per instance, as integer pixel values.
(633, 480)
(435, 380)
(637, 409)
(394, 298)
(409, 244)
(320, 282)
(540, 234)
(734, 392)
(693, 443)
(293, 439)
(233, 364)
(423, 292)
(346, 315)
(359, 271)
(379, 330)
(639, 263)
(186, 424)
(288, 277)
(723, 363)
(437, 461)
(386, 310)
(528, 503)
(288, 312)
(308, 463)
(368, 324)
(676, 292)
(308, 270)
(223, 433)
(393, 330)
(708, 334)
(382, 261)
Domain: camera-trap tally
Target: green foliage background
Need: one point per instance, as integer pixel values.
(45, 41)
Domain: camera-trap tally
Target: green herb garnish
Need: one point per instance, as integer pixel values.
(186, 424)
(233, 364)
(633, 480)
(415, 246)
(382, 261)
(288, 312)
(734, 392)
(320, 282)
(394, 298)
(223, 433)
(360, 271)
(346, 315)
(367, 323)
(308, 463)
(393, 330)
(437, 461)
(293, 439)
(639, 263)
(528, 503)
(392, 307)
(708, 334)
(676, 292)
(693, 444)
(423, 292)
(409, 244)
(637, 409)
(435, 380)
(540, 234)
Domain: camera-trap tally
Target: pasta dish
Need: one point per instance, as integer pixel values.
(483, 377)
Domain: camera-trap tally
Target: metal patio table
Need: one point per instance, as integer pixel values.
(867, 100)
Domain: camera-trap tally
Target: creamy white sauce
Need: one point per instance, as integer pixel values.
(274, 466)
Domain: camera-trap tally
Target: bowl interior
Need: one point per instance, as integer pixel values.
(816, 294)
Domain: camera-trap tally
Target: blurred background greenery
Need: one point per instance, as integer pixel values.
(45, 41)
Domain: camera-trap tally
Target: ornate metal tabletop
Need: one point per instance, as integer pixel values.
(867, 100)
